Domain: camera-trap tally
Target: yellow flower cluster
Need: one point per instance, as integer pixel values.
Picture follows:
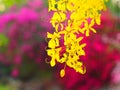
(70, 19)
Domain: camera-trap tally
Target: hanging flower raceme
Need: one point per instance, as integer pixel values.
(71, 18)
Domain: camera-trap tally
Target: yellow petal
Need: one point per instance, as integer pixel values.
(49, 35)
(92, 22)
(52, 63)
(92, 29)
(79, 39)
(82, 70)
(82, 52)
(87, 32)
(51, 43)
(62, 73)
(62, 6)
(98, 21)
(83, 45)
(63, 16)
(56, 27)
(57, 42)
(51, 5)
(82, 30)
(50, 52)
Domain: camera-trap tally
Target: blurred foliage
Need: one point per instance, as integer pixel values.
(4, 70)
(4, 87)
(3, 40)
(114, 6)
(6, 4)
(9, 3)
(46, 3)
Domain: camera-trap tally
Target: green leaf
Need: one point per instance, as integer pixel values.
(3, 40)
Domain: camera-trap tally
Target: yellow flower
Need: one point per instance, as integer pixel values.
(64, 58)
(57, 18)
(61, 5)
(88, 27)
(69, 20)
(52, 4)
(80, 68)
(54, 42)
(54, 53)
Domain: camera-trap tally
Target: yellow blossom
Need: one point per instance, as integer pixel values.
(70, 19)
(54, 40)
(54, 53)
(52, 4)
(57, 18)
(88, 27)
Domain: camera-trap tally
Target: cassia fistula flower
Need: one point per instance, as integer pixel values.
(68, 17)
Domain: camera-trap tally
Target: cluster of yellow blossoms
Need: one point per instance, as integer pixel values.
(70, 18)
